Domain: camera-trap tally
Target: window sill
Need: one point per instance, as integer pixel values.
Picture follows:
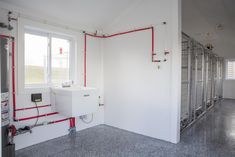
(229, 79)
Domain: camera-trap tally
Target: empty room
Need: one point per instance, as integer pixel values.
(117, 78)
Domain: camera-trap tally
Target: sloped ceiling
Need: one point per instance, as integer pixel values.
(200, 19)
(93, 13)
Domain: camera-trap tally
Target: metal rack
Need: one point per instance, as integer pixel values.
(201, 80)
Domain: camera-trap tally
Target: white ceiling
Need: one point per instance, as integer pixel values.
(199, 17)
(92, 13)
(199, 20)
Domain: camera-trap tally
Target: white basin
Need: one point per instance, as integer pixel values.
(75, 101)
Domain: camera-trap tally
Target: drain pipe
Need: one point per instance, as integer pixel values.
(72, 128)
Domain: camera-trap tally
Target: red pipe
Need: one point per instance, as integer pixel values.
(33, 117)
(127, 32)
(58, 121)
(72, 122)
(153, 54)
(13, 80)
(6, 36)
(28, 108)
(96, 36)
(113, 35)
(121, 33)
(85, 46)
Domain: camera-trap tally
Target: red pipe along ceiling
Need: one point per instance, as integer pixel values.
(14, 93)
(113, 35)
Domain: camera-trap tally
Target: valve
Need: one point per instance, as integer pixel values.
(11, 133)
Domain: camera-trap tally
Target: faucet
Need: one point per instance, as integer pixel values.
(67, 84)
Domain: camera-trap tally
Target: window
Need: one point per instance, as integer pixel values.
(59, 60)
(35, 59)
(230, 69)
(47, 58)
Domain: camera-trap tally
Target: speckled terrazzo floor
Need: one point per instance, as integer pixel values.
(211, 136)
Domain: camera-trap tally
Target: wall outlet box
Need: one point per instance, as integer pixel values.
(36, 97)
(83, 117)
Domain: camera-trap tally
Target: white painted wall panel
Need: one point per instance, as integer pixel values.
(139, 97)
(136, 97)
(229, 89)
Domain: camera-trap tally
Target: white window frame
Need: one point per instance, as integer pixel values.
(226, 69)
(50, 35)
(42, 26)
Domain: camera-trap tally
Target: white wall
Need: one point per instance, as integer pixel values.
(139, 96)
(94, 79)
(229, 89)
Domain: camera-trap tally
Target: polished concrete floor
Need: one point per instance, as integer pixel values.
(211, 136)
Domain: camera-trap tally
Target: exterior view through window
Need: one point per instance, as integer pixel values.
(230, 70)
(46, 59)
(59, 60)
(35, 59)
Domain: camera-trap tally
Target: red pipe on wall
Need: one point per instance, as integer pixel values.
(121, 33)
(113, 35)
(58, 121)
(6, 36)
(13, 79)
(50, 122)
(72, 122)
(85, 48)
(153, 54)
(33, 117)
(29, 108)
(131, 31)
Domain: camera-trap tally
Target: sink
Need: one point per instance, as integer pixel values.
(75, 101)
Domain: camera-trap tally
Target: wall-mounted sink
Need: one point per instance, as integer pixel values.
(75, 101)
